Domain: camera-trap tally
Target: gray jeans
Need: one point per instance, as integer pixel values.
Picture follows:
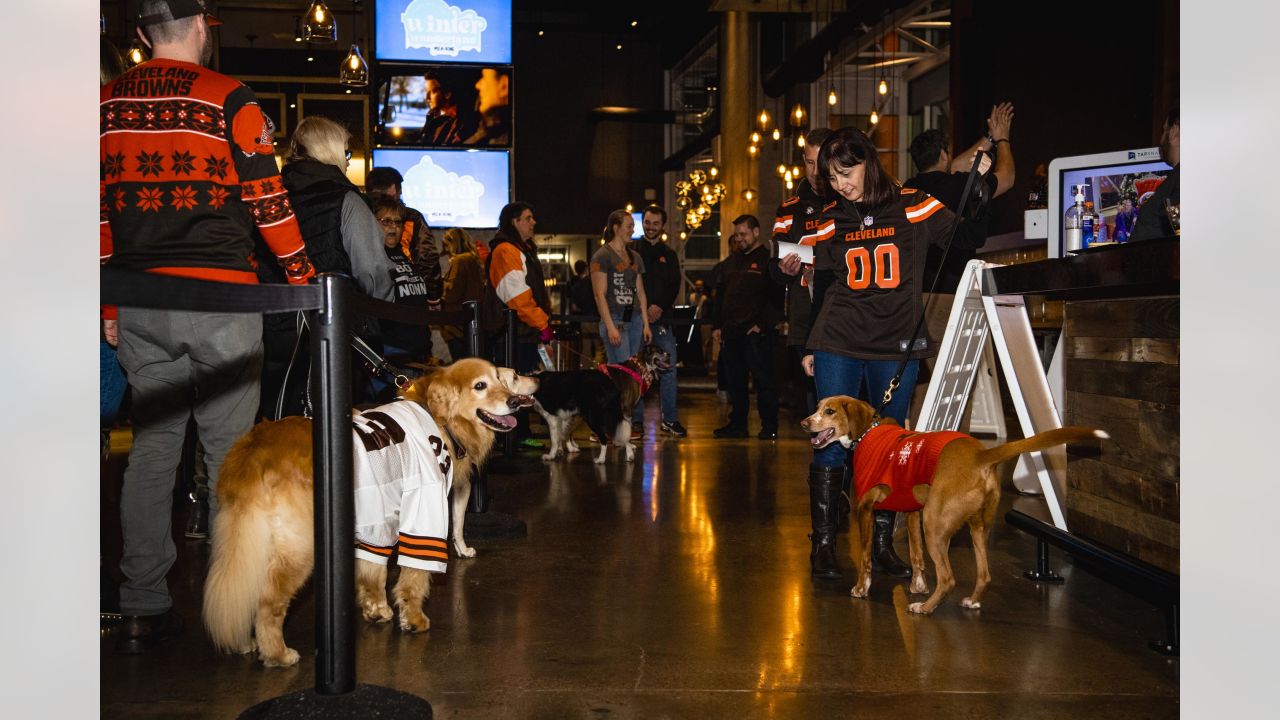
(179, 363)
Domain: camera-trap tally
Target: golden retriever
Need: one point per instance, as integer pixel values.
(263, 535)
(962, 487)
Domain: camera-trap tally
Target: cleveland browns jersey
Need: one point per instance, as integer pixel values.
(403, 472)
(797, 217)
(869, 268)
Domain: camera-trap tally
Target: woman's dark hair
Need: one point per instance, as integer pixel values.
(848, 147)
(506, 220)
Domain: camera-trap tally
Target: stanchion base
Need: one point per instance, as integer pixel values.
(1045, 576)
(365, 701)
(494, 525)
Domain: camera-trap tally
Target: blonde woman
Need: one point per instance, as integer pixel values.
(337, 225)
(618, 287)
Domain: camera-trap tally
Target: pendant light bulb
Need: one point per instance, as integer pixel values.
(800, 141)
(875, 117)
(884, 87)
(782, 168)
(752, 150)
(318, 25)
(777, 134)
(797, 115)
(831, 97)
(755, 138)
(355, 71)
(764, 118)
(748, 195)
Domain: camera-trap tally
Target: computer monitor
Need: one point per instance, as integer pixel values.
(452, 188)
(439, 31)
(1111, 177)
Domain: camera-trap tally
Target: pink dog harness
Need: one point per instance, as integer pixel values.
(644, 386)
(901, 459)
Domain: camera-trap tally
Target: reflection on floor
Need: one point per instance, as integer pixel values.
(678, 587)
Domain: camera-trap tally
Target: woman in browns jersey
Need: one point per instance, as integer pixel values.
(868, 278)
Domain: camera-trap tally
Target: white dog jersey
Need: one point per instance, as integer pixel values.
(403, 472)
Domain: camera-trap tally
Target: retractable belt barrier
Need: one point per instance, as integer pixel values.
(596, 318)
(332, 301)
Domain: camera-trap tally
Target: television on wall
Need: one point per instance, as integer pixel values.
(452, 188)
(1117, 183)
(443, 31)
(446, 106)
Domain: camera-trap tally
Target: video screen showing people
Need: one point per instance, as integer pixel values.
(447, 106)
(1117, 193)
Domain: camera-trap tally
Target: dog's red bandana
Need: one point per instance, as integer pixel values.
(901, 459)
(644, 386)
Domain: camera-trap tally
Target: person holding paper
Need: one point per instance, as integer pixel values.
(798, 216)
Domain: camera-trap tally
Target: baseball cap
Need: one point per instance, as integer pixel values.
(179, 9)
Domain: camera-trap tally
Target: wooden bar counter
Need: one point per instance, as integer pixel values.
(1120, 352)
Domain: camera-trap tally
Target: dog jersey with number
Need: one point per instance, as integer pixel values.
(403, 472)
(901, 459)
(869, 275)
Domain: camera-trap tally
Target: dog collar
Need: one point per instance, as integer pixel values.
(459, 450)
(854, 445)
(644, 386)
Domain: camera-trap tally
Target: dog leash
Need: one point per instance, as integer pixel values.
(937, 275)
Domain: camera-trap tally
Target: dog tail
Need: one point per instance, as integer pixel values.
(1039, 441)
(239, 561)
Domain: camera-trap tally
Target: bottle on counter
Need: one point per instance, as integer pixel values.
(1088, 225)
(1072, 220)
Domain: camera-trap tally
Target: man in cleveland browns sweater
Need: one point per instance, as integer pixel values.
(187, 172)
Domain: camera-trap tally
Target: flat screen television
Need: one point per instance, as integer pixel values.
(443, 31)
(1116, 182)
(446, 106)
(452, 188)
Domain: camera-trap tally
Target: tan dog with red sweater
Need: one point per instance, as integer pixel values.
(946, 478)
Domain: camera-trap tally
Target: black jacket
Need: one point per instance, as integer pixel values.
(745, 293)
(661, 275)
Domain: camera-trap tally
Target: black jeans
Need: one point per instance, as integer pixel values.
(753, 354)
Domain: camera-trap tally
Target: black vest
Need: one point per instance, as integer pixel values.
(316, 191)
(492, 315)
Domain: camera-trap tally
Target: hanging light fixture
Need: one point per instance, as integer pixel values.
(831, 97)
(884, 87)
(777, 134)
(764, 118)
(790, 185)
(755, 138)
(782, 168)
(135, 55)
(318, 25)
(797, 115)
(752, 150)
(800, 141)
(355, 71)
(749, 194)
(875, 117)
(713, 171)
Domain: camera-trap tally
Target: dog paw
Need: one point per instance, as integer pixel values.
(860, 590)
(465, 551)
(414, 622)
(571, 446)
(599, 460)
(288, 658)
(918, 608)
(919, 586)
(249, 647)
(377, 613)
(548, 456)
(971, 604)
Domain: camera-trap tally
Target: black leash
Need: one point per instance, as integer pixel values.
(937, 275)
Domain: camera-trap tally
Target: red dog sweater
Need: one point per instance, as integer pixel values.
(901, 459)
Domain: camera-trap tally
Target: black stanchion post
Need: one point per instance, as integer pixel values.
(335, 515)
(336, 694)
(479, 501)
(509, 346)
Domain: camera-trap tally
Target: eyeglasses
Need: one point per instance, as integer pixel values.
(390, 222)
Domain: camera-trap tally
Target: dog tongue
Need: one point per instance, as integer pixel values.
(506, 421)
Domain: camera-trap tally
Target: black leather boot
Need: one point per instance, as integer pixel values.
(824, 501)
(883, 558)
(846, 492)
(198, 518)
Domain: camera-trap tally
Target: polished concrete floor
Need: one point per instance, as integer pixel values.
(678, 587)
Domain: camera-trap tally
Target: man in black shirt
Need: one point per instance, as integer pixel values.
(1153, 218)
(661, 287)
(745, 324)
(944, 175)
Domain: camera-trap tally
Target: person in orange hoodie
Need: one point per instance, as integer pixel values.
(515, 281)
